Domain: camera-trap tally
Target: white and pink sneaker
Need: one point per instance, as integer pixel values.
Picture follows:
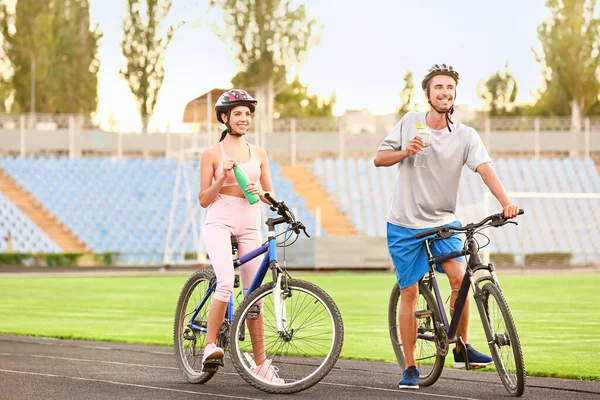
(268, 371)
(211, 360)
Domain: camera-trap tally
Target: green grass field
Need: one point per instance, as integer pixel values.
(557, 316)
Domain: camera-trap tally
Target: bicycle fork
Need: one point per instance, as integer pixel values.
(279, 304)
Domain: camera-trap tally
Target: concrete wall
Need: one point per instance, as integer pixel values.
(333, 252)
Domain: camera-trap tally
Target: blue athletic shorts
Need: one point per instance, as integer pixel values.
(409, 255)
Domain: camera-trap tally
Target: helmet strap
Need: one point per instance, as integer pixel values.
(448, 113)
(229, 130)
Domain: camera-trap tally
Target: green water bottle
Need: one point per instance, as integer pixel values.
(243, 181)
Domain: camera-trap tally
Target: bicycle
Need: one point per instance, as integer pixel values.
(303, 328)
(435, 334)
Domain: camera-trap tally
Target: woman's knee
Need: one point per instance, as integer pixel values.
(223, 290)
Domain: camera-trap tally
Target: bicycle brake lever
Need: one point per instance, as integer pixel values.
(304, 230)
(445, 233)
(512, 222)
(498, 221)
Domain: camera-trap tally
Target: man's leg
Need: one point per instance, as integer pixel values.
(455, 270)
(408, 322)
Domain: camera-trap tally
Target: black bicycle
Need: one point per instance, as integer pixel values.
(435, 333)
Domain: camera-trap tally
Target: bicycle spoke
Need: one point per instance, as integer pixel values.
(305, 351)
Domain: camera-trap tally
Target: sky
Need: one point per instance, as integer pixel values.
(365, 49)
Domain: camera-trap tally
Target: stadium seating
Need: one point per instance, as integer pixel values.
(124, 205)
(550, 225)
(27, 237)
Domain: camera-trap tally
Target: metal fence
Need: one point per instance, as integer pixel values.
(294, 140)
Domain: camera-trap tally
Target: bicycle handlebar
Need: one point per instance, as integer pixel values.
(497, 221)
(282, 209)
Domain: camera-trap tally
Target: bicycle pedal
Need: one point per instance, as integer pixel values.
(211, 365)
(423, 314)
(253, 313)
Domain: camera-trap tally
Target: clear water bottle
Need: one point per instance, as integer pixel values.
(421, 158)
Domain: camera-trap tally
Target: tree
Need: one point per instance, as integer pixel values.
(55, 41)
(406, 94)
(295, 102)
(500, 92)
(268, 38)
(144, 51)
(553, 100)
(570, 39)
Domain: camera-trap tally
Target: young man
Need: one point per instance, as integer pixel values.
(425, 197)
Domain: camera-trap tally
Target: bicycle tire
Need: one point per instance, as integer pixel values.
(509, 364)
(188, 352)
(305, 357)
(430, 362)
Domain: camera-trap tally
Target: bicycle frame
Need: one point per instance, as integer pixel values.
(269, 261)
(474, 264)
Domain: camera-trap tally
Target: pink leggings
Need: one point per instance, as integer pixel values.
(227, 216)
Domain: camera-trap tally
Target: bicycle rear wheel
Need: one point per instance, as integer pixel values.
(429, 362)
(304, 353)
(189, 342)
(504, 342)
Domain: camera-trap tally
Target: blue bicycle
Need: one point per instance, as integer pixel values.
(299, 326)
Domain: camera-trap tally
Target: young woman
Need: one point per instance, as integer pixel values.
(229, 214)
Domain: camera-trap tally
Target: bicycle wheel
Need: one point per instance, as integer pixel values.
(304, 354)
(430, 361)
(504, 342)
(189, 343)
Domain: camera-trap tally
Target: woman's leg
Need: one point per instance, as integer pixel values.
(248, 241)
(217, 241)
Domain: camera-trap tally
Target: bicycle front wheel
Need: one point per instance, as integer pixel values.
(189, 342)
(504, 342)
(302, 353)
(429, 362)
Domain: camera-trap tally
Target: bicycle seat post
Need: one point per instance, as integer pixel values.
(234, 256)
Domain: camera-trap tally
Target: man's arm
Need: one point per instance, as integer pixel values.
(386, 158)
(491, 180)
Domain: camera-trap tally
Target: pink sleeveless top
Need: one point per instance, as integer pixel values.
(250, 167)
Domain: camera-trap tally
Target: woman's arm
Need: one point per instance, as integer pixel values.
(208, 188)
(266, 183)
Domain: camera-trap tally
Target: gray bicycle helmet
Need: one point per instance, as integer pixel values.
(440, 69)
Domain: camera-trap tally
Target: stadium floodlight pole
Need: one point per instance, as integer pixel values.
(33, 67)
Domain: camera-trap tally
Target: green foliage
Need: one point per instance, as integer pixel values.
(548, 259)
(295, 102)
(107, 258)
(554, 101)
(406, 94)
(144, 51)
(570, 39)
(56, 39)
(266, 37)
(41, 260)
(14, 258)
(500, 92)
(502, 259)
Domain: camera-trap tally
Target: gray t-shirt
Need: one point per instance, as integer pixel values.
(426, 197)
